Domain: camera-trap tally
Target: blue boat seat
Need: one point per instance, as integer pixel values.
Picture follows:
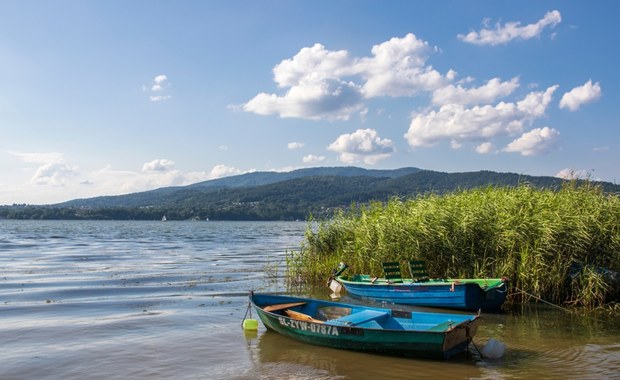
(358, 318)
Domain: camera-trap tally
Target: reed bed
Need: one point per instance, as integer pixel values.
(561, 246)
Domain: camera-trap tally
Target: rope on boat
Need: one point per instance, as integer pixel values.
(542, 300)
(471, 340)
(249, 309)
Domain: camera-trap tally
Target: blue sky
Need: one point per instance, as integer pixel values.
(114, 97)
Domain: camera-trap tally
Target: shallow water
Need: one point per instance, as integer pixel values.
(111, 300)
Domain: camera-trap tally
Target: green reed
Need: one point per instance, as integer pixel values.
(550, 243)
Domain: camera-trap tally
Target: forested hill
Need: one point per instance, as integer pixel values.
(276, 196)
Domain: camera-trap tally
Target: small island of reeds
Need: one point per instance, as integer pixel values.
(559, 245)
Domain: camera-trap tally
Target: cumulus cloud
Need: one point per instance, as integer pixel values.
(158, 83)
(503, 34)
(158, 88)
(317, 89)
(159, 165)
(398, 68)
(536, 141)
(489, 92)
(52, 168)
(458, 123)
(54, 174)
(363, 145)
(578, 96)
(331, 85)
(312, 159)
(484, 148)
(220, 171)
(295, 145)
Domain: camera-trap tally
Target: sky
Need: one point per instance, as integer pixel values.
(113, 97)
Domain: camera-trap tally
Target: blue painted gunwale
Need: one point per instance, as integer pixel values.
(372, 329)
(461, 294)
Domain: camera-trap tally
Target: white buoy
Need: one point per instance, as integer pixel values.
(335, 286)
(494, 349)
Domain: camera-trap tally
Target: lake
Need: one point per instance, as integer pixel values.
(163, 300)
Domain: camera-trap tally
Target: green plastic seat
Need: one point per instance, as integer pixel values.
(391, 271)
(418, 270)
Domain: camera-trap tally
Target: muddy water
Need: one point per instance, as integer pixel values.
(138, 300)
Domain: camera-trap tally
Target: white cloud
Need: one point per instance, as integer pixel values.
(484, 148)
(398, 68)
(54, 174)
(327, 99)
(295, 145)
(456, 122)
(363, 145)
(581, 95)
(312, 64)
(52, 168)
(311, 159)
(573, 174)
(158, 83)
(536, 141)
(487, 93)
(159, 98)
(158, 165)
(48, 171)
(330, 85)
(157, 88)
(220, 171)
(511, 31)
(316, 88)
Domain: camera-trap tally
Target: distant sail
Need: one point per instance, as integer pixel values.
(163, 218)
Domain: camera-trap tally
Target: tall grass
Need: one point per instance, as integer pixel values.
(550, 243)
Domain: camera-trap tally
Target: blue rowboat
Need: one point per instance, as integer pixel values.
(462, 294)
(420, 290)
(361, 328)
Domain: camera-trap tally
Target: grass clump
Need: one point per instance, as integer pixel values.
(559, 245)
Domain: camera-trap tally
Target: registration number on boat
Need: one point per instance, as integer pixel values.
(308, 326)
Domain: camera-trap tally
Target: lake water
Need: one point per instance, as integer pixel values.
(155, 300)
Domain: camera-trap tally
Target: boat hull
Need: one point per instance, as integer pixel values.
(453, 294)
(440, 343)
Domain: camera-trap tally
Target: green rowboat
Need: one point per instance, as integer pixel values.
(361, 328)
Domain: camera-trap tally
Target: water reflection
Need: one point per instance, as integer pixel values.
(274, 351)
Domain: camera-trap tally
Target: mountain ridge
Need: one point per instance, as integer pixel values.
(299, 194)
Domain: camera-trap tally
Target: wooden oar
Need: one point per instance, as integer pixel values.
(301, 316)
(281, 306)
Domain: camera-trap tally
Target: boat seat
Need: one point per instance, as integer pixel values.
(418, 270)
(358, 318)
(281, 306)
(445, 326)
(391, 271)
